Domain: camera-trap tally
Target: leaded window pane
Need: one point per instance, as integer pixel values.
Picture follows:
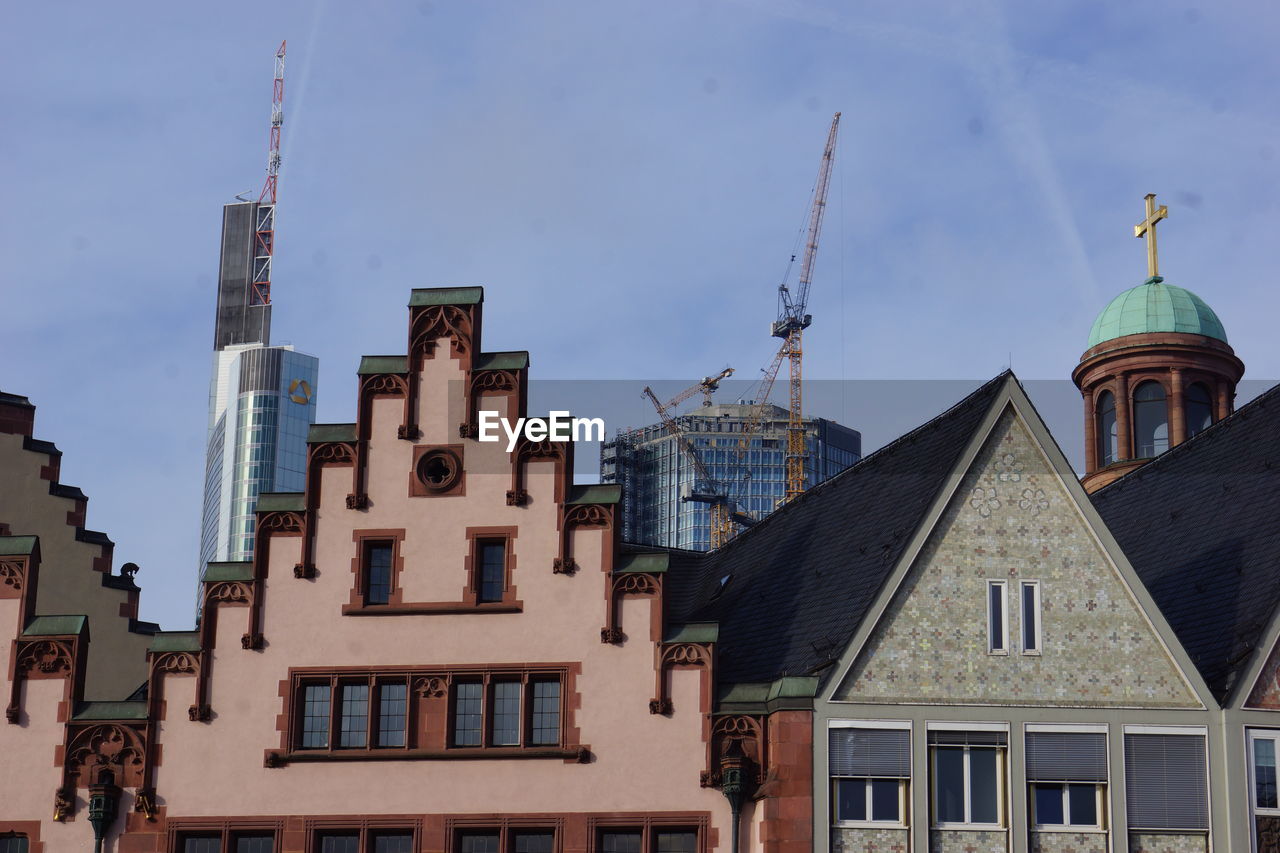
(468, 705)
(478, 842)
(378, 571)
(393, 705)
(315, 716)
(620, 841)
(393, 842)
(355, 716)
(256, 842)
(534, 841)
(546, 713)
(493, 570)
(682, 841)
(340, 842)
(506, 713)
(210, 843)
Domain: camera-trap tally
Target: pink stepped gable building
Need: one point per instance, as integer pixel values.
(438, 646)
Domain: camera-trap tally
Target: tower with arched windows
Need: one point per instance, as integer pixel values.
(1158, 370)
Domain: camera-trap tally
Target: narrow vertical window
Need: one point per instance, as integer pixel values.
(354, 730)
(1150, 421)
(377, 572)
(1264, 773)
(546, 713)
(1108, 438)
(997, 618)
(1198, 406)
(468, 707)
(315, 716)
(506, 714)
(1030, 617)
(393, 703)
(491, 578)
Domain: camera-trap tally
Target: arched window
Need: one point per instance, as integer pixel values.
(1199, 408)
(1150, 421)
(1108, 438)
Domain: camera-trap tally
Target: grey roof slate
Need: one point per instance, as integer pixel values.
(800, 582)
(1201, 526)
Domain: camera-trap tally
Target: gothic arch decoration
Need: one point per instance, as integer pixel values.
(433, 322)
(490, 382)
(176, 663)
(683, 656)
(527, 451)
(431, 686)
(119, 747)
(180, 663)
(631, 583)
(42, 658)
(582, 515)
(12, 576)
(337, 453)
(737, 737)
(372, 386)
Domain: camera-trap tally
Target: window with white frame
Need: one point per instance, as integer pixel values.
(968, 778)
(869, 769)
(1166, 773)
(1030, 598)
(1067, 773)
(1264, 744)
(998, 617)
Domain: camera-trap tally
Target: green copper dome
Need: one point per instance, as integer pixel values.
(1154, 306)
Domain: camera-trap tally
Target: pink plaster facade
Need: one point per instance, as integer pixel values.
(218, 747)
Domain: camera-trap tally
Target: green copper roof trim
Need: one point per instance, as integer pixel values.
(788, 693)
(598, 493)
(55, 626)
(175, 641)
(693, 632)
(383, 364)
(238, 571)
(320, 433)
(126, 710)
(446, 296)
(16, 546)
(516, 360)
(654, 563)
(282, 502)
(1154, 306)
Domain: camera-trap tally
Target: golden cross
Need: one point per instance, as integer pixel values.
(1147, 227)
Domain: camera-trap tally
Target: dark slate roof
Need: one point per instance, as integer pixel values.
(801, 580)
(1201, 526)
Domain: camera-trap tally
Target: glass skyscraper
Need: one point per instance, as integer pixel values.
(656, 475)
(262, 400)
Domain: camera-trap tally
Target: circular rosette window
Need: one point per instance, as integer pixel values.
(439, 469)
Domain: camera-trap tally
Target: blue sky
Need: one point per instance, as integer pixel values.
(627, 181)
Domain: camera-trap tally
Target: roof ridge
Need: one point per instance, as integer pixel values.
(1177, 452)
(873, 455)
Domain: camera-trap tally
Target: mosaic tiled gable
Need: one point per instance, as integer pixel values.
(1266, 690)
(1012, 519)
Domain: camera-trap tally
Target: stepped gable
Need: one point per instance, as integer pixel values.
(1201, 526)
(789, 593)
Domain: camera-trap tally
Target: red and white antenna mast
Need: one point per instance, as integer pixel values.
(265, 229)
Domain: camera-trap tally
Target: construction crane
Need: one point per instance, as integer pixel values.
(265, 224)
(707, 489)
(792, 321)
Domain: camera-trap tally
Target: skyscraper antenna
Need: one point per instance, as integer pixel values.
(265, 227)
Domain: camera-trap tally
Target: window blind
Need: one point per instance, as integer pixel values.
(1066, 757)
(950, 738)
(1166, 781)
(883, 753)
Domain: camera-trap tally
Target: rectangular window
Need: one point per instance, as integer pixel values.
(253, 842)
(1166, 780)
(393, 711)
(997, 617)
(533, 841)
(546, 713)
(393, 842)
(340, 842)
(355, 716)
(1067, 772)
(674, 841)
(377, 572)
(202, 843)
(315, 718)
(506, 714)
(621, 841)
(1030, 617)
(483, 841)
(869, 769)
(468, 707)
(13, 844)
(1060, 805)
(968, 778)
(491, 579)
(1263, 759)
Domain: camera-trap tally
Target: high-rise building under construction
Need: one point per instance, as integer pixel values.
(657, 476)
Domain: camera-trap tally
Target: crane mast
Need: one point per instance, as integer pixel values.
(792, 321)
(265, 224)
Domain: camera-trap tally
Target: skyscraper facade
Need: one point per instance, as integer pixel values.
(657, 477)
(262, 400)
